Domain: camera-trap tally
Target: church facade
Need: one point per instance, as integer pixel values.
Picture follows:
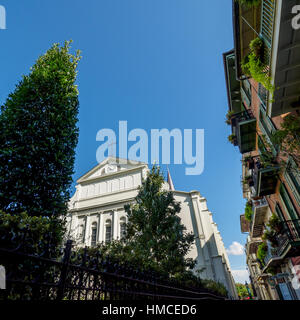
(96, 214)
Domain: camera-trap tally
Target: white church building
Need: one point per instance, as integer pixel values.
(96, 214)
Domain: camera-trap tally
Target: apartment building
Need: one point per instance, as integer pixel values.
(263, 87)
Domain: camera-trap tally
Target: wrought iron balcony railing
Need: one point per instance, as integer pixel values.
(288, 236)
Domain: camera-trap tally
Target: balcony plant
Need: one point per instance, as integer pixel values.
(261, 253)
(272, 271)
(232, 138)
(270, 235)
(229, 115)
(248, 211)
(274, 223)
(288, 136)
(253, 65)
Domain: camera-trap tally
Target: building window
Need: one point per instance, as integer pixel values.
(94, 234)
(122, 228)
(108, 231)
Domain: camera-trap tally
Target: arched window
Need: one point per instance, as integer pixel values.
(122, 227)
(108, 231)
(94, 234)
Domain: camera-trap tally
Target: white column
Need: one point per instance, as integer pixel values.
(73, 223)
(99, 227)
(115, 225)
(205, 245)
(87, 230)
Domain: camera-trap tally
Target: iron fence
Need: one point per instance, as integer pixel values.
(77, 276)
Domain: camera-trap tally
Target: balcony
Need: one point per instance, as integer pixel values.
(264, 178)
(245, 224)
(232, 84)
(283, 55)
(246, 27)
(288, 243)
(243, 126)
(260, 209)
(252, 245)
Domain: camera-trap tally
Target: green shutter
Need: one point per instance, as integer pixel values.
(287, 202)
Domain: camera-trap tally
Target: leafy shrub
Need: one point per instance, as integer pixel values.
(274, 221)
(262, 252)
(34, 235)
(248, 211)
(229, 116)
(253, 65)
(38, 136)
(232, 138)
(288, 136)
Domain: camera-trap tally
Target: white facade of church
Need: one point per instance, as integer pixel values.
(96, 214)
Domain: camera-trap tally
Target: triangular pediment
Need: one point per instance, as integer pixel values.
(110, 166)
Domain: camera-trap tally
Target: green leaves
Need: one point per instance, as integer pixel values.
(248, 211)
(38, 136)
(288, 136)
(262, 252)
(253, 65)
(33, 234)
(154, 230)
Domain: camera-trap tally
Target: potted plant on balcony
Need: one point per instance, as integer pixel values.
(272, 271)
(248, 211)
(262, 251)
(257, 47)
(229, 116)
(254, 65)
(275, 223)
(232, 138)
(270, 235)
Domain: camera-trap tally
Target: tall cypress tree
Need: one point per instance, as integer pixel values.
(38, 136)
(155, 234)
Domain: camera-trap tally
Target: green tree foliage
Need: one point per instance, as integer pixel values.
(248, 211)
(253, 65)
(242, 290)
(156, 241)
(262, 252)
(38, 136)
(154, 230)
(32, 234)
(288, 137)
(232, 138)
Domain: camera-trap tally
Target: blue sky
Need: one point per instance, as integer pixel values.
(155, 63)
